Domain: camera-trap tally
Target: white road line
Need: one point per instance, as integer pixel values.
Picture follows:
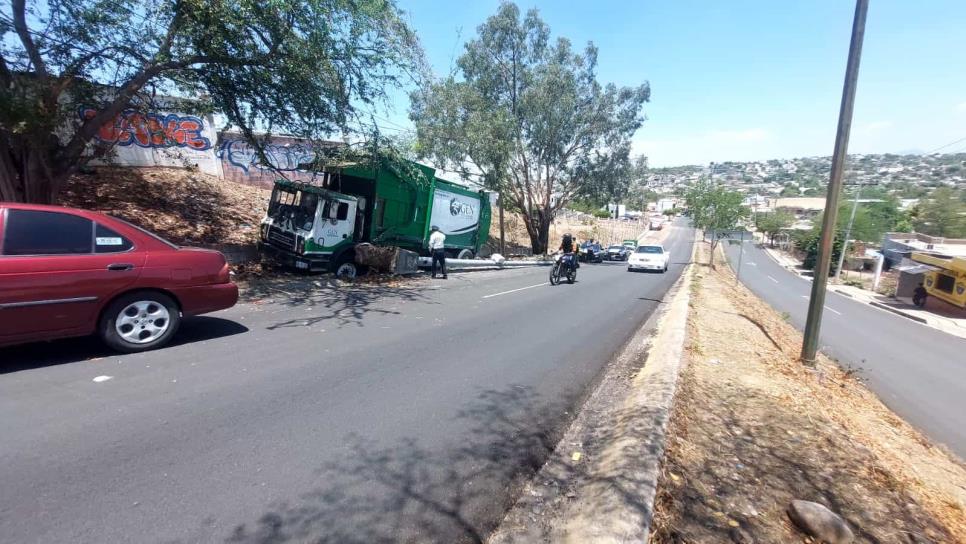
(772, 279)
(515, 290)
(836, 312)
(100, 379)
(751, 264)
(804, 296)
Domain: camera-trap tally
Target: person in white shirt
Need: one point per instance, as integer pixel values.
(436, 242)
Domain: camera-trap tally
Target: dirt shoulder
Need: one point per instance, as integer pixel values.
(752, 430)
(182, 205)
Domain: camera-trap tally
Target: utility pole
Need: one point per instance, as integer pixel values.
(816, 303)
(848, 231)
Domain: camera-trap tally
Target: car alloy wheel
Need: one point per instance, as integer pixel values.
(142, 321)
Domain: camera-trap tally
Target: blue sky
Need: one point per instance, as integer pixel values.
(750, 80)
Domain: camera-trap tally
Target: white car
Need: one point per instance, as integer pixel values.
(649, 258)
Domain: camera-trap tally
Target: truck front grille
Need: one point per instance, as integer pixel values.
(280, 238)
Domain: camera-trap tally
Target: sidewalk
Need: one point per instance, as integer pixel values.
(948, 324)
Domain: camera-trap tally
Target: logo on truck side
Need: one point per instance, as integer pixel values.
(460, 208)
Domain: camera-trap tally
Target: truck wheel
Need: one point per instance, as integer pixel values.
(345, 267)
(465, 254)
(139, 321)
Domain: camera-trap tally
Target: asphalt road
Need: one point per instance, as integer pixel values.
(918, 371)
(360, 414)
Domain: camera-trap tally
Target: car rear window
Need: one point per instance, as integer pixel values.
(108, 241)
(650, 249)
(32, 232)
(149, 233)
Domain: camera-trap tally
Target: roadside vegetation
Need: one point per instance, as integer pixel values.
(752, 430)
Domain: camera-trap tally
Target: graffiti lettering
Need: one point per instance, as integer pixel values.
(285, 158)
(152, 130)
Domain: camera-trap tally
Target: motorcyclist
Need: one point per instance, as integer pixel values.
(567, 246)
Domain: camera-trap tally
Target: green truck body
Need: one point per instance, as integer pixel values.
(317, 226)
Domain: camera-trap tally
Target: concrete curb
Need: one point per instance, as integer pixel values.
(608, 496)
(899, 312)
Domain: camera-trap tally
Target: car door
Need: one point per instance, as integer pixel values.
(57, 269)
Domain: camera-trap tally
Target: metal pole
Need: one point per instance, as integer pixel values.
(848, 232)
(816, 303)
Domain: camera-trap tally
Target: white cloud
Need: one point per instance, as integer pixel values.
(961, 107)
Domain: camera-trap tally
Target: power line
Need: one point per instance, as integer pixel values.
(963, 139)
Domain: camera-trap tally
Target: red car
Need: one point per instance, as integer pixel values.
(67, 272)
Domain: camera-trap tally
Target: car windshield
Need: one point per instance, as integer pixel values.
(650, 249)
(618, 248)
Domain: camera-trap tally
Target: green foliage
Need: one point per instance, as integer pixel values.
(772, 223)
(304, 67)
(528, 117)
(807, 242)
(601, 214)
(942, 214)
(714, 209)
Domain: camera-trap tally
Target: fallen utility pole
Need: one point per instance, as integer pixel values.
(816, 303)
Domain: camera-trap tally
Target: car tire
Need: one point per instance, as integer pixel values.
(466, 254)
(139, 321)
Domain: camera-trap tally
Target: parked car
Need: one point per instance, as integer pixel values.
(591, 252)
(67, 272)
(617, 253)
(650, 257)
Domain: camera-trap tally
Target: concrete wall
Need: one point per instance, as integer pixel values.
(160, 139)
(240, 163)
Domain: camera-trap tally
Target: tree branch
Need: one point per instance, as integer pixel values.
(20, 24)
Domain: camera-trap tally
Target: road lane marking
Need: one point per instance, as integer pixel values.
(515, 290)
(100, 379)
(751, 264)
(772, 279)
(804, 296)
(836, 312)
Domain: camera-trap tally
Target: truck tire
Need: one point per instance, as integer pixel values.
(465, 254)
(345, 267)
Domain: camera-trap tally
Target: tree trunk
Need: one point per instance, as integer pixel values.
(28, 172)
(538, 228)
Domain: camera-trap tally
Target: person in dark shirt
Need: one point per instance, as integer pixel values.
(919, 296)
(567, 246)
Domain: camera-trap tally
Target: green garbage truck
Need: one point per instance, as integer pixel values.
(316, 226)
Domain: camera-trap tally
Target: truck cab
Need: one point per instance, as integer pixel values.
(311, 228)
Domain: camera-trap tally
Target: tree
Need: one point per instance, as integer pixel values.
(773, 223)
(942, 214)
(528, 116)
(714, 209)
(300, 66)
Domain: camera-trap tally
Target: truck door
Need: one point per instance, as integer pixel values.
(341, 223)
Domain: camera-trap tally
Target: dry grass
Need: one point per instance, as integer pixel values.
(753, 429)
(605, 230)
(184, 206)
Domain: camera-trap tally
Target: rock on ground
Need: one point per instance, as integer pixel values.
(820, 522)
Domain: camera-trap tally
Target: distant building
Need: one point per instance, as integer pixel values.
(801, 208)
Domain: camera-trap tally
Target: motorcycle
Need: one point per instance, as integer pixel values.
(563, 266)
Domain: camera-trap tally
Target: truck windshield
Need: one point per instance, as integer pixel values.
(293, 205)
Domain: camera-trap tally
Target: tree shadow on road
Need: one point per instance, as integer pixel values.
(324, 299)
(409, 493)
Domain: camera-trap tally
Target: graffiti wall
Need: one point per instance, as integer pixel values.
(240, 162)
(160, 139)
